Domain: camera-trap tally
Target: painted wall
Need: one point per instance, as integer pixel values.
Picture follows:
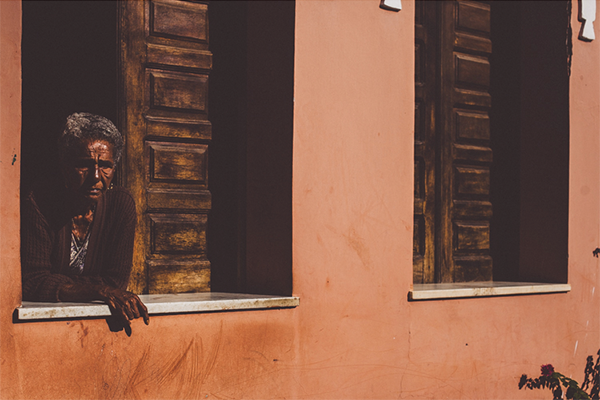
(354, 335)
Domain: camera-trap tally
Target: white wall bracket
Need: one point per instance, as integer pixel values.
(587, 16)
(392, 5)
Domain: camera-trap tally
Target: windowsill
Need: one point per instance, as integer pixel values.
(158, 304)
(439, 291)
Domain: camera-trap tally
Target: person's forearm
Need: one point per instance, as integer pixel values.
(123, 304)
(80, 292)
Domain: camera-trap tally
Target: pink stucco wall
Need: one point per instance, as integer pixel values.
(10, 146)
(354, 335)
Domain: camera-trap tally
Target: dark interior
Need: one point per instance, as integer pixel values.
(250, 156)
(69, 63)
(530, 134)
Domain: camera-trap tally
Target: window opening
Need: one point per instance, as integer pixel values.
(491, 141)
(71, 62)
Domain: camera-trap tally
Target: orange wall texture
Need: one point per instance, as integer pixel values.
(354, 335)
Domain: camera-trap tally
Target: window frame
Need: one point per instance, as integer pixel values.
(539, 263)
(254, 297)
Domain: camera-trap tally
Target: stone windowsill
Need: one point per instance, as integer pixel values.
(157, 304)
(439, 291)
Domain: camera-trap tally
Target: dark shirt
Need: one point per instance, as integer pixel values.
(46, 242)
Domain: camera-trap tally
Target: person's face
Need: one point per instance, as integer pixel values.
(90, 169)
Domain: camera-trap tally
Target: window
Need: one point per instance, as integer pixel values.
(491, 141)
(204, 97)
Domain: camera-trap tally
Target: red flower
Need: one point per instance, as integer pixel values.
(547, 370)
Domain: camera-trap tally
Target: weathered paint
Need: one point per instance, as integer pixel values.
(354, 335)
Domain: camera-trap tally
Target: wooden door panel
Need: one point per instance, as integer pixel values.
(471, 236)
(420, 118)
(471, 182)
(176, 19)
(471, 72)
(464, 209)
(161, 55)
(177, 91)
(177, 163)
(473, 16)
(471, 269)
(472, 126)
(474, 44)
(419, 236)
(453, 155)
(168, 276)
(467, 49)
(470, 99)
(472, 153)
(184, 200)
(425, 109)
(165, 77)
(419, 180)
(420, 59)
(178, 234)
(173, 128)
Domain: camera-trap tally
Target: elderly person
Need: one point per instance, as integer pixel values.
(76, 231)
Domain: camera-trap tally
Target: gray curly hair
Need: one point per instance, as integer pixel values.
(83, 127)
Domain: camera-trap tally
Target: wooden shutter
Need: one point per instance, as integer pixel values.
(165, 64)
(461, 141)
(426, 83)
(466, 155)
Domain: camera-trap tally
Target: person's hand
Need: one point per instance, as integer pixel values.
(124, 305)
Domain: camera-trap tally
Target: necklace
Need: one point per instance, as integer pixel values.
(78, 253)
(80, 225)
(79, 240)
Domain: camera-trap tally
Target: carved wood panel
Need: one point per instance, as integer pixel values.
(425, 109)
(177, 163)
(177, 234)
(466, 153)
(178, 20)
(179, 92)
(453, 155)
(164, 96)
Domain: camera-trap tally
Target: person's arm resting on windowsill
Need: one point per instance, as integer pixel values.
(77, 235)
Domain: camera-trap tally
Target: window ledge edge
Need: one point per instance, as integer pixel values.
(157, 304)
(441, 291)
